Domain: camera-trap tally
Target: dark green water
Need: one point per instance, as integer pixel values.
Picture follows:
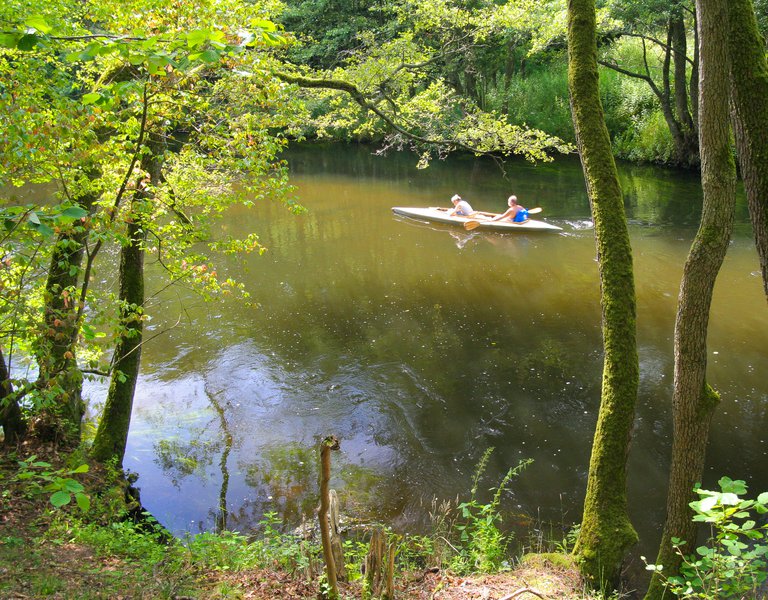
(420, 346)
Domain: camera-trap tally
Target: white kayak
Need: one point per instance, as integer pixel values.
(440, 215)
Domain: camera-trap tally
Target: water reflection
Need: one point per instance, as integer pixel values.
(420, 346)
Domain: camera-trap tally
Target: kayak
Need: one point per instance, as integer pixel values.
(440, 215)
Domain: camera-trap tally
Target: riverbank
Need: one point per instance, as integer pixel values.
(106, 552)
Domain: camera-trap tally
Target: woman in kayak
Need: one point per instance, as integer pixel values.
(515, 212)
(460, 207)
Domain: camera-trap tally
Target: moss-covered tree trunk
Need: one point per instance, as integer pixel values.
(606, 532)
(11, 419)
(112, 433)
(56, 346)
(693, 401)
(749, 79)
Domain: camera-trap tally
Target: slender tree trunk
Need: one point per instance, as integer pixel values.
(678, 36)
(326, 446)
(693, 83)
(749, 78)
(606, 532)
(11, 419)
(112, 433)
(680, 76)
(676, 128)
(693, 401)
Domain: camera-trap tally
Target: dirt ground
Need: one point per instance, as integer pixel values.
(33, 565)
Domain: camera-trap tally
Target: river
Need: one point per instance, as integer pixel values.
(420, 346)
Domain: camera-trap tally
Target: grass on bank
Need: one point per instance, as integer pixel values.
(68, 532)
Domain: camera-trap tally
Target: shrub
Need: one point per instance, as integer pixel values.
(732, 563)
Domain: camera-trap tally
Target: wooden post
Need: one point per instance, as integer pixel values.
(327, 445)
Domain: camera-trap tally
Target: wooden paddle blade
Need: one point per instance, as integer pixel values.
(470, 225)
(533, 211)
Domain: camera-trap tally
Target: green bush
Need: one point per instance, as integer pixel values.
(732, 563)
(649, 140)
(41, 478)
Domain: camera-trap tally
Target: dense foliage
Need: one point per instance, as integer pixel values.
(145, 126)
(510, 59)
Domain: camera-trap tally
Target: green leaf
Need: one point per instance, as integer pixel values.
(83, 501)
(706, 504)
(39, 23)
(763, 498)
(264, 24)
(210, 56)
(728, 485)
(43, 229)
(197, 38)
(9, 40)
(28, 41)
(89, 333)
(149, 43)
(74, 212)
(91, 98)
(273, 39)
(61, 498)
(73, 486)
(81, 469)
(90, 52)
(156, 64)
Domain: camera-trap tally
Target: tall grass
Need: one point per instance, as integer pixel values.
(539, 99)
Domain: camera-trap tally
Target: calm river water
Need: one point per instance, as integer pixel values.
(420, 346)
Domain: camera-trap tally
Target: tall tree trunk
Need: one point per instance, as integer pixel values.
(693, 400)
(112, 433)
(693, 84)
(680, 62)
(749, 78)
(606, 532)
(676, 127)
(689, 152)
(11, 419)
(55, 351)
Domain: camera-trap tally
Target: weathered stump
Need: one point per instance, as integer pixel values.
(337, 547)
(380, 567)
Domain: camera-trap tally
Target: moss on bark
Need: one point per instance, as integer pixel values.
(606, 532)
(749, 92)
(112, 433)
(693, 400)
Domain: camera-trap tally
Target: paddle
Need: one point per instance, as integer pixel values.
(470, 225)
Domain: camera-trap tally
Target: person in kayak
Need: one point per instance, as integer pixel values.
(515, 212)
(461, 207)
